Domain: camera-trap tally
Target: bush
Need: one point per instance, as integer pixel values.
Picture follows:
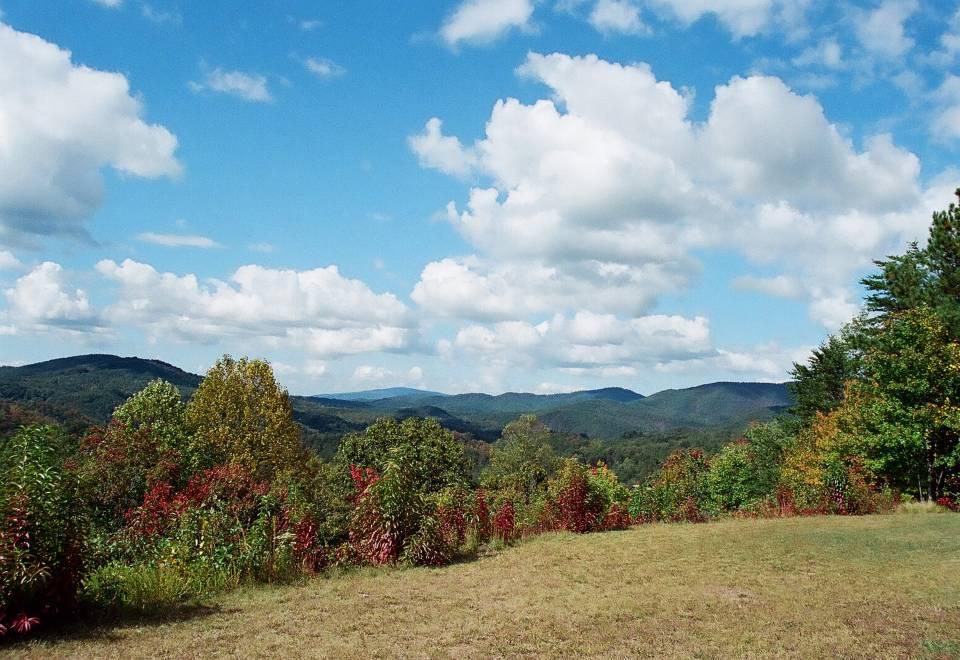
(151, 587)
(41, 531)
(732, 479)
(677, 492)
(388, 510)
(504, 522)
(433, 458)
(521, 461)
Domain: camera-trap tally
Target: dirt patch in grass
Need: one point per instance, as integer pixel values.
(880, 586)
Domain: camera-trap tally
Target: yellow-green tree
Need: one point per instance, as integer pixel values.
(246, 417)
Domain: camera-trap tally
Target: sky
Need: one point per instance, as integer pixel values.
(475, 195)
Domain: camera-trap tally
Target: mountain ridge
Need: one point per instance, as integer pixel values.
(89, 387)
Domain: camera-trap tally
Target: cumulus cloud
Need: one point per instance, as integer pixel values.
(177, 240)
(60, 124)
(588, 340)
(247, 86)
(617, 16)
(318, 310)
(949, 42)
(781, 286)
(743, 18)
(882, 32)
(946, 121)
(367, 375)
(597, 198)
(8, 261)
(483, 21)
(827, 54)
(41, 300)
(441, 152)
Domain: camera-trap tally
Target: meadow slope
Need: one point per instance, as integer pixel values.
(878, 586)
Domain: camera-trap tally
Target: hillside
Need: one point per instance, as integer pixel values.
(84, 390)
(865, 587)
(383, 393)
(86, 386)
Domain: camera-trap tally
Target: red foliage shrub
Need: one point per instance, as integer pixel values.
(573, 510)
(688, 511)
(617, 517)
(229, 485)
(453, 523)
(481, 516)
(948, 503)
(306, 545)
(362, 478)
(504, 522)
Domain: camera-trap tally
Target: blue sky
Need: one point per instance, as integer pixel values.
(480, 195)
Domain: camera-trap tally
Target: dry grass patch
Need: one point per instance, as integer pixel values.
(880, 586)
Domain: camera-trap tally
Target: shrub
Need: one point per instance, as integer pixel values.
(433, 458)
(521, 461)
(41, 531)
(388, 510)
(676, 492)
(149, 587)
(504, 527)
(732, 479)
(116, 466)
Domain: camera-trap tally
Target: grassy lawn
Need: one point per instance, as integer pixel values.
(880, 586)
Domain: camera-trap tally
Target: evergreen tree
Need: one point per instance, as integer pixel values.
(818, 385)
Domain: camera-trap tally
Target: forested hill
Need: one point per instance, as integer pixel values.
(89, 387)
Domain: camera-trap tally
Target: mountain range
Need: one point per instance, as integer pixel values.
(85, 389)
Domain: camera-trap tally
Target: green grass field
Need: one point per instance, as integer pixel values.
(872, 587)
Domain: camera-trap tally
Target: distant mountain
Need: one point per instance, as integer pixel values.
(89, 386)
(85, 389)
(385, 393)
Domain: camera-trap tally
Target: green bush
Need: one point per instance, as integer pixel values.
(678, 492)
(41, 527)
(153, 586)
(433, 458)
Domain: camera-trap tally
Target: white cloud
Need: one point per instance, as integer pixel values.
(310, 24)
(827, 54)
(483, 21)
(833, 308)
(160, 16)
(764, 362)
(440, 152)
(882, 32)
(60, 125)
(587, 340)
(597, 199)
(781, 286)
(265, 248)
(322, 67)
(949, 42)
(177, 240)
(946, 121)
(743, 18)
(318, 310)
(366, 374)
(8, 261)
(110, 4)
(41, 300)
(247, 86)
(617, 16)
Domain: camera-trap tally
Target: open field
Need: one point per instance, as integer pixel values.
(880, 586)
